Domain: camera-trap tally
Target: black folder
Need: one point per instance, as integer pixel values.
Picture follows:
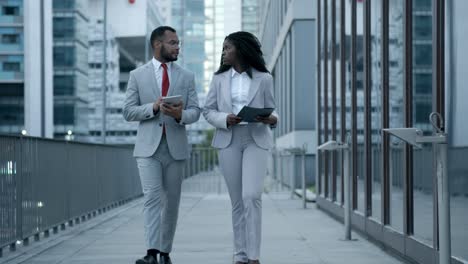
(248, 114)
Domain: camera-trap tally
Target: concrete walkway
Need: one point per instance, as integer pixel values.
(291, 235)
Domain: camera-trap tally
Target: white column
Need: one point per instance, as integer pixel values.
(38, 90)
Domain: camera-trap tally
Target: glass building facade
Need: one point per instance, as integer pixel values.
(11, 66)
(251, 16)
(188, 18)
(383, 64)
(70, 54)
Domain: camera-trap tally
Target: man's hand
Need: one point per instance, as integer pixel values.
(232, 119)
(174, 110)
(157, 105)
(269, 120)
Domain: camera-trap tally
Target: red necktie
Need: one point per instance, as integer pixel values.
(165, 80)
(164, 86)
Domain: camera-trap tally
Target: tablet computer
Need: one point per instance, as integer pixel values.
(249, 114)
(174, 99)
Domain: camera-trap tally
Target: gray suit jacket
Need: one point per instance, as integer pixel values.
(142, 92)
(219, 105)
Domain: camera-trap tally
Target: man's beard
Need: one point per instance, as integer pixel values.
(166, 55)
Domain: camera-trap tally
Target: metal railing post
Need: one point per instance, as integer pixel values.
(347, 192)
(443, 198)
(304, 192)
(332, 145)
(293, 176)
(416, 138)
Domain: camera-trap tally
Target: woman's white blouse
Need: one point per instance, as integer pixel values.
(240, 85)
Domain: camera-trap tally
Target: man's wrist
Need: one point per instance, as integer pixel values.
(155, 109)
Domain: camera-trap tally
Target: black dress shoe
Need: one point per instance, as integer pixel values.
(148, 259)
(164, 259)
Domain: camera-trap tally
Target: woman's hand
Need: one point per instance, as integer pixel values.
(269, 120)
(232, 119)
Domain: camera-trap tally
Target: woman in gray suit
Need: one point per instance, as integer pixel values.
(242, 80)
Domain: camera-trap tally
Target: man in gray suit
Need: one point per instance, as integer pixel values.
(161, 147)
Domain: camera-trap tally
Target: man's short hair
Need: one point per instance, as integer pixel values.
(158, 33)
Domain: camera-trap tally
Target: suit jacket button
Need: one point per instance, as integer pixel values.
(160, 124)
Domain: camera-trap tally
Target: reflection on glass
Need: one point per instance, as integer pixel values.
(347, 59)
(338, 101)
(422, 107)
(330, 98)
(376, 108)
(360, 159)
(322, 109)
(396, 111)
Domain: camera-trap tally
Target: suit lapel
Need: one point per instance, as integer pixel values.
(254, 85)
(175, 73)
(152, 80)
(226, 89)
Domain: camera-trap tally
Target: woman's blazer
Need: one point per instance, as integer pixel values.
(218, 106)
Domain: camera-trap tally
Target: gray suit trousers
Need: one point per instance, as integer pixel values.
(161, 179)
(244, 166)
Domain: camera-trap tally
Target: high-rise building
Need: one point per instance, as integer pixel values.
(422, 65)
(132, 39)
(118, 131)
(70, 31)
(26, 67)
(188, 19)
(250, 16)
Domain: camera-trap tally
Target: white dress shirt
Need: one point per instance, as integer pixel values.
(159, 72)
(240, 85)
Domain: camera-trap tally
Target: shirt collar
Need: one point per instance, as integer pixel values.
(157, 64)
(234, 73)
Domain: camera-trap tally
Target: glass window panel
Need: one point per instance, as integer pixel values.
(64, 85)
(329, 96)
(322, 109)
(422, 27)
(422, 5)
(64, 56)
(422, 54)
(10, 38)
(11, 66)
(339, 170)
(396, 111)
(423, 83)
(376, 108)
(64, 114)
(10, 10)
(422, 106)
(347, 58)
(63, 28)
(360, 159)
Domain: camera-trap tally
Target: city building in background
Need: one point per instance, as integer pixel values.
(287, 33)
(188, 19)
(118, 131)
(26, 67)
(132, 40)
(250, 16)
(70, 53)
